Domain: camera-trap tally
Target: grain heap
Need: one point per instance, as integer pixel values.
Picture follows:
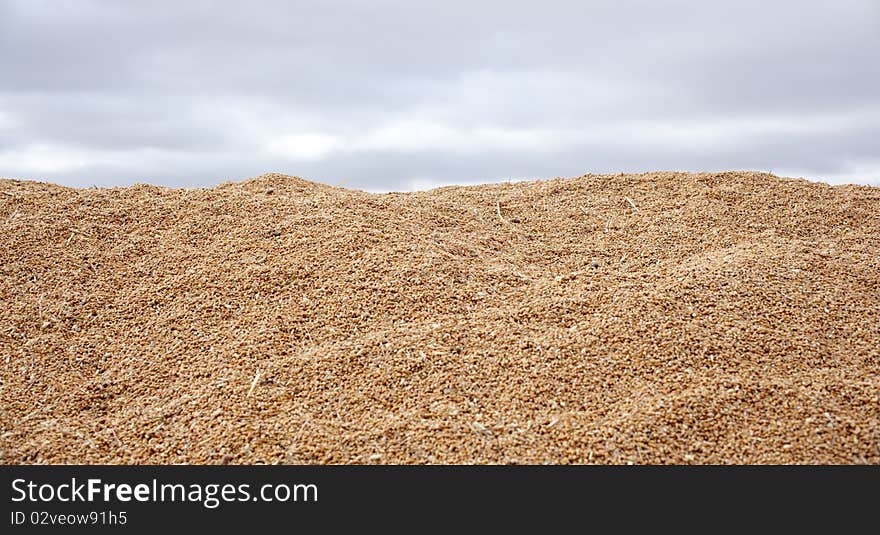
(655, 318)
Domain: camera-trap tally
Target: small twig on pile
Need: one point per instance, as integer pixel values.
(631, 203)
(80, 232)
(113, 432)
(501, 217)
(254, 384)
(522, 275)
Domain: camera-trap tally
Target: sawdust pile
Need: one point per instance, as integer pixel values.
(657, 318)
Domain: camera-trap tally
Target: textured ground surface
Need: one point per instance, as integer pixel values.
(658, 318)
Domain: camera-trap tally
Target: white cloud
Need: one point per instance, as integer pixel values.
(415, 135)
(711, 132)
(427, 134)
(420, 136)
(5, 121)
(304, 147)
(37, 159)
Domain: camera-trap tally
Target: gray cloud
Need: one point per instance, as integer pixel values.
(394, 95)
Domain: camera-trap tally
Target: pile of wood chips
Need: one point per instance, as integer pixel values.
(654, 318)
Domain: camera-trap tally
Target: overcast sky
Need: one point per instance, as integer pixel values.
(396, 95)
